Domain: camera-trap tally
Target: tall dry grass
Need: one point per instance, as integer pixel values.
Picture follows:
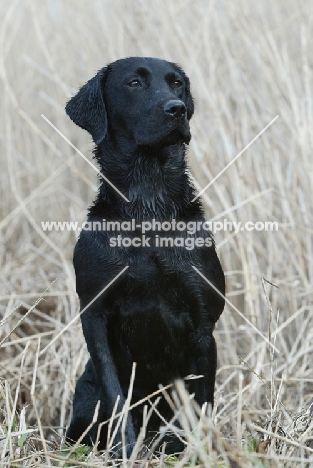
(248, 62)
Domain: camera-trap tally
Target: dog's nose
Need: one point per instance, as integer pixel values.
(175, 108)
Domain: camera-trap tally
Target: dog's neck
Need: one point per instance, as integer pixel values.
(153, 179)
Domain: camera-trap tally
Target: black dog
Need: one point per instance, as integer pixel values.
(159, 313)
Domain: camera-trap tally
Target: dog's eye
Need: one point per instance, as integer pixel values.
(178, 84)
(134, 84)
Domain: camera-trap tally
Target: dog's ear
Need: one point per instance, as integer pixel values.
(189, 98)
(87, 108)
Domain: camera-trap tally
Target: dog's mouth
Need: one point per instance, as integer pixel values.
(180, 132)
(177, 135)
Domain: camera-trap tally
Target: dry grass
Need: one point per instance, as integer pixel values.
(248, 62)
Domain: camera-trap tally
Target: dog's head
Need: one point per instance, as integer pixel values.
(146, 100)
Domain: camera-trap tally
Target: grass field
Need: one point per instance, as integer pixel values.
(248, 62)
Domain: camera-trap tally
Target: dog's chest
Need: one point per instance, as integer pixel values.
(155, 292)
(154, 262)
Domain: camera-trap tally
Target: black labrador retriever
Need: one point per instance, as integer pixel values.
(159, 313)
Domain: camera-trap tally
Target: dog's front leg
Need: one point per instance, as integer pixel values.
(94, 322)
(206, 361)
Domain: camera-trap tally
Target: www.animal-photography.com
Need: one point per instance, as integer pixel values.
(156, 234)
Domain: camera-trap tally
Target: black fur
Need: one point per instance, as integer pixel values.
(160, 313)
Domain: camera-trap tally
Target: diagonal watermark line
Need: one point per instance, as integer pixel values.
(237, 310)
(82, 311)
(235, 158)
(84, 157)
